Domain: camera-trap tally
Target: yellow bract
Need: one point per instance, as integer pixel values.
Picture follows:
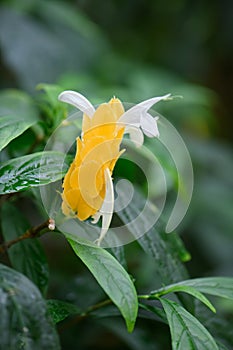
(84, 185)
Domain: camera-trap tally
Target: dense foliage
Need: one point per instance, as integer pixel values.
(58, 290)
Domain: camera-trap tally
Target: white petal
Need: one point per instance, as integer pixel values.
(107, 207)
(133, 115)
(135, 134)
(149, 125)
(96, 217)
(76, 99)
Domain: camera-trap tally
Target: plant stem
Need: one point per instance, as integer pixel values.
(146, 296)
(30, 233)
(96, 307)
(84, 314)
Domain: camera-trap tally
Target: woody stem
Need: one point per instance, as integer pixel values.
(30, 233)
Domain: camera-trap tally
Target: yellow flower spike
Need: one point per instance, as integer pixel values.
(87, 186)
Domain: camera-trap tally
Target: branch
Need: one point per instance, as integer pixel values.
(30, 233)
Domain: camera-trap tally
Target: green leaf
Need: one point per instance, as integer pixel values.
(158, 312)
(17, 114)
(178, 246)
(219, 326)
(169, 267)
(218, 286)
(52, 91)
(59, 310)
(164, 248)
(186, 331)
(32, 170)
(24, 322)
(222, 346)
(112, 277)
(186, 289)
(26, 256)
(119, 254)
(52, 107)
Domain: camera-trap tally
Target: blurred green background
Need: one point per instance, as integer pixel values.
(136, 50)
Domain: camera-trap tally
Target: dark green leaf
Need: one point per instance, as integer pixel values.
(79, 291)
(112, 277)
(52, 91)
(220, 326)
(32, 170)
(17, 114)
(169, 266)
(178, 247)
(52, 107)
(186, 331)
(222, 346)
(59, 310)
(161, 246)
(26, 256)
(158, 312)
(24, 322)
(119, 254)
